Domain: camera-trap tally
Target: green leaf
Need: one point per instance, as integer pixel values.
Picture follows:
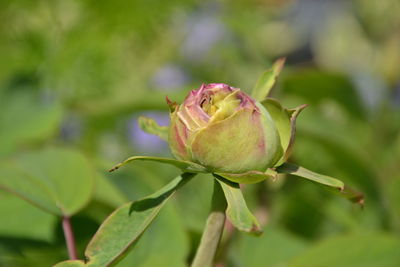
(359, 250)
(313, 176)
(185, 166)
(58, 180)
(173, 241)
(150, 126)
(17, 213)
(285, 121)
(168, 228)
(24, 119)
(250, 177)
(172, 244)
(237, 211)
(124, 227)
(267, 80)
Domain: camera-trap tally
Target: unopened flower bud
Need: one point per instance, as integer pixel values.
(225, 130)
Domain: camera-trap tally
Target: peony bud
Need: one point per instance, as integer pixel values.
(225, 130)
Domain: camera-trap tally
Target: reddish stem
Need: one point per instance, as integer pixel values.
(69, 238)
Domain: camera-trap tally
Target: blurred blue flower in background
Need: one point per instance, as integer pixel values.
(170, 77)
(204, 30)
(71, 128)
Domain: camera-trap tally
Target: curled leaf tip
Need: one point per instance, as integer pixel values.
(294, 112)
(256, 230)
(116, 167)
(361, 203)
(352, 195)
(359, 200)
(301, 107)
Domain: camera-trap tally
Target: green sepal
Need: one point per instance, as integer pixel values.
(334, 184)
(250, 177)
(285, 122)
(237, 211)
(150, 126)
(267, 80)
(185, 166)
(293, 113)
(310, 175)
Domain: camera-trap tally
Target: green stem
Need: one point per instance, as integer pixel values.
(213, 230)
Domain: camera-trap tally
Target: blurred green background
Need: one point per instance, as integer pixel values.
(76, 74)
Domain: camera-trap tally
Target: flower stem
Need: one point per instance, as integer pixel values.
(213, 230)
(69, 238)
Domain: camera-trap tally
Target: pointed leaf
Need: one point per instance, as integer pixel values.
(123, 228)
(57, 180)
(238, 213)
(185, 166)
(267, 80)
(166, 240)
(285, 121)
(313, 176)
(150, 126)
(250, 177)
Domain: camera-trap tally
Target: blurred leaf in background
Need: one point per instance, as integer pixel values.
(77, 75)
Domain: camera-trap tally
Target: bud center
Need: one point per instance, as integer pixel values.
(221, 104)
